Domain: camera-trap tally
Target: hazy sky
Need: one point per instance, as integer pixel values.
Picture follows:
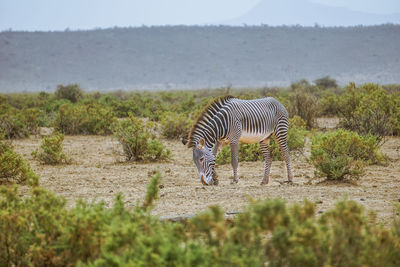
(370, 6)
(88, 14)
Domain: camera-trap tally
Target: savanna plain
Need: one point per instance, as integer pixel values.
(98, 172)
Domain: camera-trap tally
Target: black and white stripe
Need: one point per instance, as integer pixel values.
(231, 120)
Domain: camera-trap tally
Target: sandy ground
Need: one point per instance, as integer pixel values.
(98, 174)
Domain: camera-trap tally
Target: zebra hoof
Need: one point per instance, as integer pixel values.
(263, 183)
(215, 182)
(234, 181)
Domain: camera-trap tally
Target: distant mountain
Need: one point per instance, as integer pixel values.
(306, 13)
(197, 57)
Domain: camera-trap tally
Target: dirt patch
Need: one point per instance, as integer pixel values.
(96, 174)
(327, 122)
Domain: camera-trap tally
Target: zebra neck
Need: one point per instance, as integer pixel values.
(212, 130)
(210, 125)
(209, 142)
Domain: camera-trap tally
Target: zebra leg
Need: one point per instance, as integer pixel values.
(282, 141)
(235, 159)
(264, 146)
(281, 132)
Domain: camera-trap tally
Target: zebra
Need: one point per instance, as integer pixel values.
(229, 120)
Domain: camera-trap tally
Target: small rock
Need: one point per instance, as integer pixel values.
(320, 211)
(319, 202)
(361, 199)
(161, 186)
(152, 172)
(111, 191)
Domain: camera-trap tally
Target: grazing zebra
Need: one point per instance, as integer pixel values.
(229, 120)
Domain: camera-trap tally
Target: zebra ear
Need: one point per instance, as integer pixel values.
(201, 143)
(184, 140)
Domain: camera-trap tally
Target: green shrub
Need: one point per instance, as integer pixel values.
(369, 109)
(251, 152)
(13, 167)
(72, 92)
(51, 151)
(11, 124)
(175, 125)
(304, 103)
(120, 107)
(139, 141)
(343, 153)
(247, 152)
(326, 82)
(178, 101)
(15, 123)
(329, 104)
(39, 230)
(84, 119)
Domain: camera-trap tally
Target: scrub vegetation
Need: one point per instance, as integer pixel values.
(40, 228)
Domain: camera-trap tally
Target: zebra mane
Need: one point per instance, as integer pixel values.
(208, 112)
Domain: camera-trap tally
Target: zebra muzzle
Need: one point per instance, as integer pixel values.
(202, 180)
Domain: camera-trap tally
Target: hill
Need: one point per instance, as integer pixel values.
(197, 57)
(308, 13)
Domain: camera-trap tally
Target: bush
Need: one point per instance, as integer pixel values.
(247, 152)
(50, 151)
(343, 153)
(175, 125)
(38, 230)
(304, 104)
(369, 109)
(138, 140)
(72, 92)
(326, 82)
(252, 152)
(15, 123)
(84, 119)
(13, 168)
(329, 104)
(120, 107)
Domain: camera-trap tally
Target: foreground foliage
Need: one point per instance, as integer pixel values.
(342, 153)
(13, 168)
(39, 230)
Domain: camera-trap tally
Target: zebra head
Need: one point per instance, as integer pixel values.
(205, 162)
